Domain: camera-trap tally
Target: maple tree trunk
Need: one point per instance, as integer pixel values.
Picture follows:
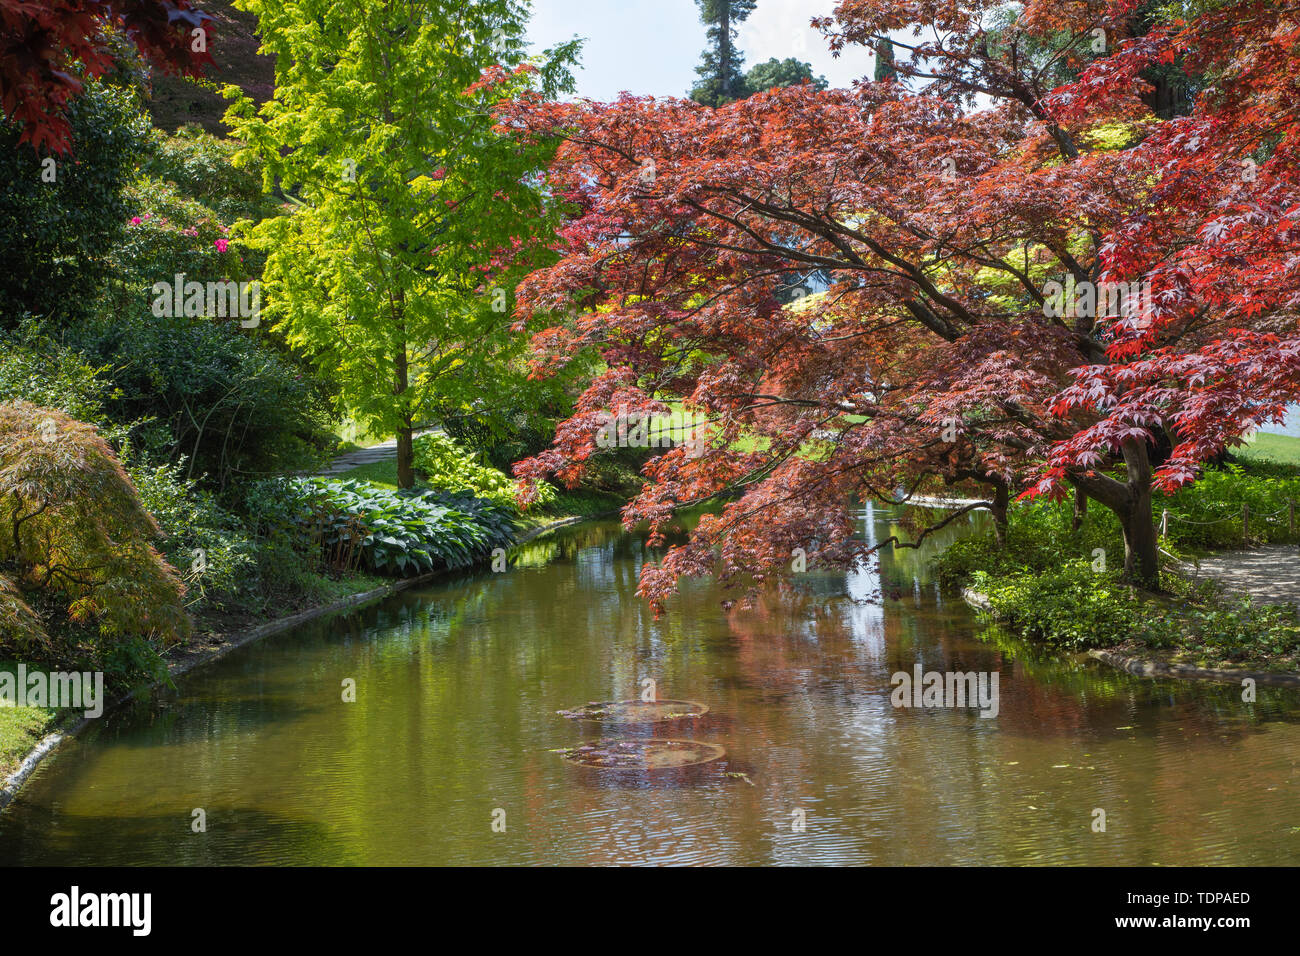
(1080, 509)
(1141, 555)
(1131, 502)
(1001, 501)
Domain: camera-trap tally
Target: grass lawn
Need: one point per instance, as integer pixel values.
(20, 730)
(382, 473)
(1283, 449)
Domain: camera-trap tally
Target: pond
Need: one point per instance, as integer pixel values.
(450, 753)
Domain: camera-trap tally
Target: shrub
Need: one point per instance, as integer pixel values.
(199, 165)
(218, 559)
(447, 467)
(54, 237)
(47, 374)
(75, 527)
(228, 405)
(1070, 606)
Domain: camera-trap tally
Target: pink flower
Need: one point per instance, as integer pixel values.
(136, 220)
(221, 245)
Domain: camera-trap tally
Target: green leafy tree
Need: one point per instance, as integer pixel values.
(61, 215)
(781, 73)
(414, 215)
(721, 80)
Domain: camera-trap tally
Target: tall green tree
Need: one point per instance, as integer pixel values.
(721, 80)
(413, 215)
(781, 73)
(885, 68)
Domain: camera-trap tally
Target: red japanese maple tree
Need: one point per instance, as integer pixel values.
(934, 356)
(1218, 351)
(46, 45)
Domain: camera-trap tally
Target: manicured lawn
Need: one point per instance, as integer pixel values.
(1282, 449)
(20, 730)
(382, 473)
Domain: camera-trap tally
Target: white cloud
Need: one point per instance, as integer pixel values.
(779, 28)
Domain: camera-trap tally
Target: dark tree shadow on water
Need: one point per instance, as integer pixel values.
(41, 836)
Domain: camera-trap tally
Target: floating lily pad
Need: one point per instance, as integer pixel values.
(644, 755)
(636, 711)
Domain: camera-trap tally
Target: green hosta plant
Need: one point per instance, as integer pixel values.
(401, 533)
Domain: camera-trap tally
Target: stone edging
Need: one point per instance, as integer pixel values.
(50, 742)
(1141, 668)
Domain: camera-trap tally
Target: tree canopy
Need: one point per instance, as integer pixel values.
(411, 215)
(956, 241)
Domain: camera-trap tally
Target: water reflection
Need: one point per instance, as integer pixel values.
(458, 685)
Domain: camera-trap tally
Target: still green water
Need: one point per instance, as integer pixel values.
(455, 724)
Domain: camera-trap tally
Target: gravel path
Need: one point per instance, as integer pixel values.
(1270, 574)
(384, 451)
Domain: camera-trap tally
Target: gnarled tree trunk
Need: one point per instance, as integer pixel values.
(1131, 502)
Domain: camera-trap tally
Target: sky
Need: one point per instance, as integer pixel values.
(653, 46)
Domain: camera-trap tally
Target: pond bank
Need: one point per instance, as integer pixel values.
(1150, 664)
(210, 646)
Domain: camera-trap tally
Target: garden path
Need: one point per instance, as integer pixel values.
(1270, 574)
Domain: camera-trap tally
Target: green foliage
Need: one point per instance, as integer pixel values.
(721, 80)
(400, 533)
(170, 232)
(227, 405)
(1207, 514)
(388, 272)
(780, 73)
(45, 373)
(217, 557)
(1070, 606)
(1062, 586)
(55, 237)
(75, 528)
(448, 467)
(199, 165)
(1040, 538)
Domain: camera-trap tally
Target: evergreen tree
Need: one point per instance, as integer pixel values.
(885, 69)
(721, 80)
